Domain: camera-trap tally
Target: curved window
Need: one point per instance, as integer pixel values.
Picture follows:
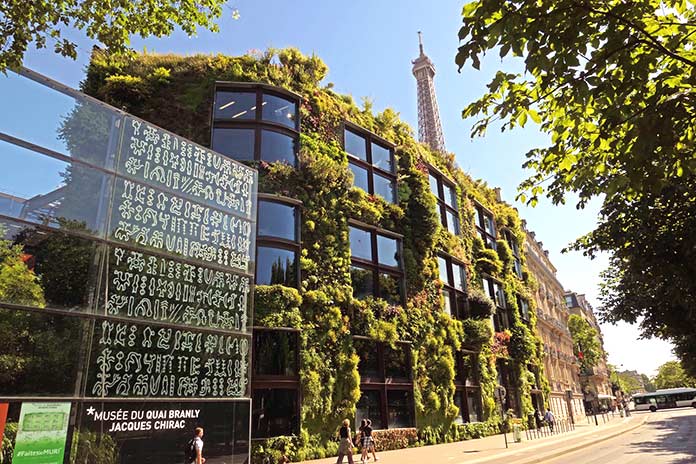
(277, 220)
(372, 162)
(242, 118)
(279, 109)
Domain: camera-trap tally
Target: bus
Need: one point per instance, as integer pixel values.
(664, 399)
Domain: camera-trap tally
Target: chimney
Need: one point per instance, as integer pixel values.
(498, 195)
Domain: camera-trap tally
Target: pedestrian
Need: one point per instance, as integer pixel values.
(345, 446)
(360, 439)
(537, 418)
(370, 441)
(194, 448)
(550, 418)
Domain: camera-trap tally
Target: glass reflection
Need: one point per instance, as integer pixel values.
(381, 157)
(40, 352)
(459, 403)
(447, 301)
(275, 353)
(359, 177)
(277, 220)
(277, 147)
(452, 223)
(390, 288)
(236, 143)
(442, 267)
(78, 128)
(433, 185)
(400, 406)
(360, 244)
(355, 145)
(235, 105)
(280, 110)
(362, 282)
(275, 412)
(52, 192)
(384, 187)
(368, 367)
(450, 195)
(276, 266)
(388, 251)
(396, 362)
(473, 398)
(459, 276)
(370, 407)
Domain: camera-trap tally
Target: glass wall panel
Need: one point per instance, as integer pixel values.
(275, 353)
(360, 177)
(76, 127)
(41, 352)
(370, 407)
(277, 220)
(53, 192)
(360, 244)
(277, 147)
(275, 412)
(390, 288)
(388, 251)
(235, 105)
(397, 364)
(280, 110)
(362, 281)
(369, 360)
(355, 145)
(400, 408)
(147, 436)
(381, 157)
(384, 187)
(276, 266)
(236, 143)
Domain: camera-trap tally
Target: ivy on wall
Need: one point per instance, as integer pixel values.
(176, 93)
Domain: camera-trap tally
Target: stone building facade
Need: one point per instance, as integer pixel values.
(561, 368)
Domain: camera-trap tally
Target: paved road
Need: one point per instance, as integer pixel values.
(669, 437)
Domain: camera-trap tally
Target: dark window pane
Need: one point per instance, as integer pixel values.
(450, 196)
(443, 267)
(479, 218)
(359, 177)
(40, 352)
(433, 185)
(355, 145)
(362, 281)
(462, 303)
(280, 110)
(275, 266)
(400, 408)
(360, 243)
(524, 309)
(459, 276)
(396, 362)
(390, 288)
(236, 143)
(381, 157)
(452, 223)
(499, 295)
(386, 188)
(277, 147)
(277, 220)
(388, 251)
(274, 412)
(518, 267)
(275, 353)
(459, 403)
(235, 105)
(368, 366)
(370, 407)
(474, 404)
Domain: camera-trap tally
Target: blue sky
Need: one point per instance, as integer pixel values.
(368, 46)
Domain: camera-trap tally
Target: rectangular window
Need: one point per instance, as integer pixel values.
(524, 308)
(453, 278)
(276, 353)
(446, 195)
(496, 293)
(516, 257)
(400, 408)
(276, 266)
(485, 227)
(376, 265)
(372, 163)
(370, 407)
(275, 412)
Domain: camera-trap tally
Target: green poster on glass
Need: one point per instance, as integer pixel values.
(43, 428)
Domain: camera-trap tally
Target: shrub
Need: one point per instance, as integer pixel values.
(391, 439)
(480, 304)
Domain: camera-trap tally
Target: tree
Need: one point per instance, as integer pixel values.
(586, 344)
(647, 383)
(671, 375)
(110, 23)
(611, 83)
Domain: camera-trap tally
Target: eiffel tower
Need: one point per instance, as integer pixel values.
(429, 126)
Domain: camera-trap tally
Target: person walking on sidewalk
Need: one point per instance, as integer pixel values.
(550, 418)
(345, 446)
(370, 442)
(195, 448)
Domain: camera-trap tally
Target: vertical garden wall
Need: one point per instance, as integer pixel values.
(489, 333)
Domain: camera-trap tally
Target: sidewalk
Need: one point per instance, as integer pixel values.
(492, 449)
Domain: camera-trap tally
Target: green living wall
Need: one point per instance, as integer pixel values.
(176, 92)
